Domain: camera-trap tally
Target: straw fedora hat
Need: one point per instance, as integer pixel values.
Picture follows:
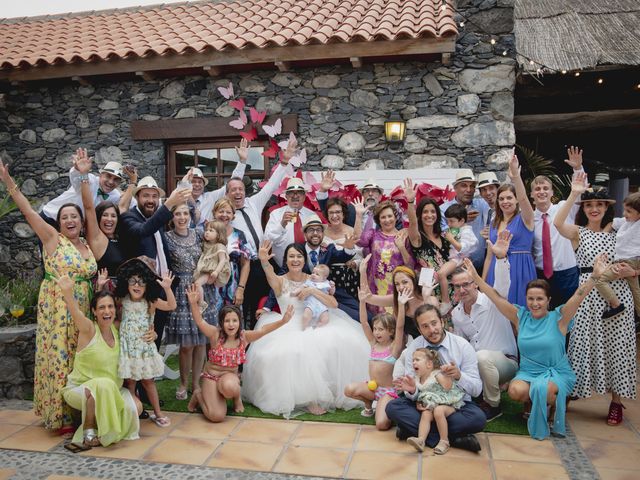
(295, 184)
(313, 221)
(487, 178)
(464, 175)
(114, 168)
(197, 173)
(148, 182)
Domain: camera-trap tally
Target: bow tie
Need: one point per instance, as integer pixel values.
(104, 196)
(434, 347)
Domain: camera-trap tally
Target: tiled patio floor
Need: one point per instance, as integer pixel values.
(350, 451)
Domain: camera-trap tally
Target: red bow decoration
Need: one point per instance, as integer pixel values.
(439, 194)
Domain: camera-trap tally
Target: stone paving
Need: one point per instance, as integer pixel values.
(273, 449)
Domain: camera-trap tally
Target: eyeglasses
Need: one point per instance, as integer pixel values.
(460, 286)
(137, 281)
(314, 230)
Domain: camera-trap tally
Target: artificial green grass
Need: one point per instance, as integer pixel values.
(510, 421)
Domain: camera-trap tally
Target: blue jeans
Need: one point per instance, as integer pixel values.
(402, 411)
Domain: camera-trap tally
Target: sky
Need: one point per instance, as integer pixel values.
(31, 8)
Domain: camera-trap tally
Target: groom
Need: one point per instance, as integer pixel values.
(317, 254)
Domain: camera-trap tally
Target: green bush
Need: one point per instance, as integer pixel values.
(22, 290)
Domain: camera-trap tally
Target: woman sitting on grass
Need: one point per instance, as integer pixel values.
(228, 351)
(109, 411)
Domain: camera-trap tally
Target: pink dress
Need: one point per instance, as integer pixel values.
(385, 257)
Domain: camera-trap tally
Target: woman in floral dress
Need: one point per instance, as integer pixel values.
(64, 252)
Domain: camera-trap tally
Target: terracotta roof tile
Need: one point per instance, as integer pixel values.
(197, 26)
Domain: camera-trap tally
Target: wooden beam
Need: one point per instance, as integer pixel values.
(356, 62)
(189, 128)
(81, 80)
(283, 66)
(147, 76)
(396, 48)
(446, 59)
(559, 122)
(212, 71)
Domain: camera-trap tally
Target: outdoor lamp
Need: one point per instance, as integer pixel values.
(394, 129)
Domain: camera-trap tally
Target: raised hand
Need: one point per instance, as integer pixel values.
(166, 281)
(501, 247)
(349, 242)
(427, 290)
(400, 239)
(407, 383)
(264, 254)
(579, 183)
(600, 264)
(359, 206)
(409, 192)
(404, 296)
(327, 179)
(65, 283)
(364, 294)
(290, 151)
(178, 196)
(514, 167)
(82, 162)
(193, 294)
(4, 172)
(243, 150)
(471, 270)
(132, 173)
(103, 279)
(364, 263)
(288, 314)
(575, 158)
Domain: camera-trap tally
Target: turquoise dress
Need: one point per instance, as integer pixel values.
(542, 359)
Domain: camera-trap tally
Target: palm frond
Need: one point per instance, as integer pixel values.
(533, 164)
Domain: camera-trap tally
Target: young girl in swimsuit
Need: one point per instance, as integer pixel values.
(228, 346)
(386, 340)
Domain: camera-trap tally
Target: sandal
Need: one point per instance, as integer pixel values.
(162, 422)
(615, 414)
(367, 412)
(90, 438)
(181, 394)
(416, 443)
(76, 447)
(441, 448)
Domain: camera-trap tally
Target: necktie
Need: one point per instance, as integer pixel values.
(547, 259)
(298, 234)
(101, 194)
(252, 230)
(489, 216)
(313, 255)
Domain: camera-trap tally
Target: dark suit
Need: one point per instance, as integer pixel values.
(137, 236)
(329, 256)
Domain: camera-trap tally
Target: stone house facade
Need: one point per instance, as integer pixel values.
(458, 113)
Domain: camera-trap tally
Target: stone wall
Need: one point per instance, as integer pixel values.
(457, 115)
(17, 354)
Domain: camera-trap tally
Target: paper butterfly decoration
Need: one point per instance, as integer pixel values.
(256, 116)
(273, 130)
(227, 92)
(251, 135)
(237, 104)
(273, 149)
(239, 122)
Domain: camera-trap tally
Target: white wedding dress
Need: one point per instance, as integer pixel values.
(290, 369)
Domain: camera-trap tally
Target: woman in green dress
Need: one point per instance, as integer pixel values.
(109, 411)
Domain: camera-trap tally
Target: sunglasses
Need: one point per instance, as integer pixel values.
(136, 281)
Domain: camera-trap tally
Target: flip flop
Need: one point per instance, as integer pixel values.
(182, 394)
(162, 422)
(76, 447)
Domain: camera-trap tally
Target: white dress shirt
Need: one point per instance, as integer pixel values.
(454, 349)
(561, 249)
(485, 327)
(477, 257)
(468, 242)
(207, 200)
(627, 239)
(73, 194)
(281, 236)
(254, 205)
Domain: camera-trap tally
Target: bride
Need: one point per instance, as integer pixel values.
(293, 369)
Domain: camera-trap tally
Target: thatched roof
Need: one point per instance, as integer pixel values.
(578, 34)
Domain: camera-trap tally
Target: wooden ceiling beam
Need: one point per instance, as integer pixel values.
(396, 48)
(559, 122)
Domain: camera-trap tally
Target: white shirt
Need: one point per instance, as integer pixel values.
(281, 236)
(561, 249)
(254, 205)
(469, 243)
(73, 194)
(207, 200)
(453, 349)
(485, 327)
(627, 239)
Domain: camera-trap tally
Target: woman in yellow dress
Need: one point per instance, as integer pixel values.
(64, 252)
(109, 411)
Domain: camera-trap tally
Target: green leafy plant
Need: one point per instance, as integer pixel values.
(7, 205)
(533, 164)
(22, 290)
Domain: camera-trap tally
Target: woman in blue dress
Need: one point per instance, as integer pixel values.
(515, 214)
(545, 376)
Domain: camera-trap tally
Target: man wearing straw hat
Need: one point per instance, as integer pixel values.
(477, 211)
(285, 223)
